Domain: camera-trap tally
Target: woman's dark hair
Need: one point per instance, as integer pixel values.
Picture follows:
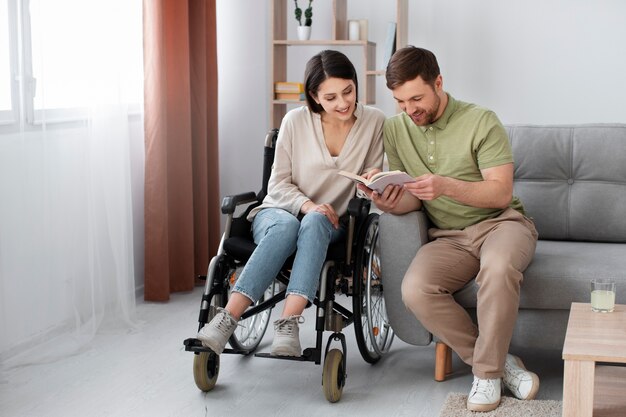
(410, 62)
(324, 65)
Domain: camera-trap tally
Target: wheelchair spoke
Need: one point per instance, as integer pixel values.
(250, 331)
(375, 333)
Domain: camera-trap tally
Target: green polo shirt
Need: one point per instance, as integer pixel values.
(464, 140)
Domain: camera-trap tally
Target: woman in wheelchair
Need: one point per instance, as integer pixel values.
(306, 198)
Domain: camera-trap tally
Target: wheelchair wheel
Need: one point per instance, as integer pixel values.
(206, 368)
(206, 365)
(250, 332)
(333, 378)
(374, 335)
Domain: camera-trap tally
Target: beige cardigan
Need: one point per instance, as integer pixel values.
(304, 169)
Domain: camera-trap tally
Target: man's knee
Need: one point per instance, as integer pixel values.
(413, 295)
(500, 272)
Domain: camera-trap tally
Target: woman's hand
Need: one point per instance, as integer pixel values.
(325, 209)
(369, 174)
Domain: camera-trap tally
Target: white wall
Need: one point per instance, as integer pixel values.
(537, 61)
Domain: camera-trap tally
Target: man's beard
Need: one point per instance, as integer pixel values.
(430, 115)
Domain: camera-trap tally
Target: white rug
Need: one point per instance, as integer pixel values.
(454, 406)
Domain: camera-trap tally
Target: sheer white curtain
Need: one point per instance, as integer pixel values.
(71, 176)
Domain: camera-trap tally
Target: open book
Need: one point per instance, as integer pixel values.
(379, 181)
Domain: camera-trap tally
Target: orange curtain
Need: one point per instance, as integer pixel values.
(182, 226)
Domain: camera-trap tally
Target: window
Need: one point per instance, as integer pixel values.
(6, 105)
(62, 55)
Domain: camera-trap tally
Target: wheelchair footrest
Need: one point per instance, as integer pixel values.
(195, 345)
(309, 355)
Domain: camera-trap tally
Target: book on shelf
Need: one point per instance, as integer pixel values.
(390, 43)
(379, 181)
(289, 96)
(288, 87)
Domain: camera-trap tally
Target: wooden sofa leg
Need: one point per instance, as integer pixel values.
(443, 361)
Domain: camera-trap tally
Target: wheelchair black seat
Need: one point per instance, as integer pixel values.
(241, 249)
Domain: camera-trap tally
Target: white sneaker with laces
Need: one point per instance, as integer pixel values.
(216, 333)
(521, 382)
(287, 337)
(484, 395)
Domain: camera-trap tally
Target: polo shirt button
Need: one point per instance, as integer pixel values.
(430, 157)
(432, 142)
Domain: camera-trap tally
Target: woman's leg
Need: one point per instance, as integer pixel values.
(294, 305)
(275, 233)
(315, 234)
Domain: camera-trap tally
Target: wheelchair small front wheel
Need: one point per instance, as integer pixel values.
(333, 378)
(206, 368)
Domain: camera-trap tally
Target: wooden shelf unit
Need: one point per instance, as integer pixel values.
(280, 10)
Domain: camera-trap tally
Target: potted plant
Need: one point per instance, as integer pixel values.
(304, 31)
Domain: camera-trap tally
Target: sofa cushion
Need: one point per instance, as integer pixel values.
(572, 180)
(560, 273)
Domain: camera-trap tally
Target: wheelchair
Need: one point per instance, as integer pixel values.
(351, 267)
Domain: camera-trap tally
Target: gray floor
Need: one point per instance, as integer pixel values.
(148, 373)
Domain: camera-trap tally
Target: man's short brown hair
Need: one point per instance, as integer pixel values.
(410, 62)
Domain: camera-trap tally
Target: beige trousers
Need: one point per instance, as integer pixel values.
(495, 252)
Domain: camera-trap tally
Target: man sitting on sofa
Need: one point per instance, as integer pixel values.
(461, 159)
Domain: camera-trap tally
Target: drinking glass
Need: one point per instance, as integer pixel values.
(602, 295)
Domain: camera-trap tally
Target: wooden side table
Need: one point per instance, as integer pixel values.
(590, 389)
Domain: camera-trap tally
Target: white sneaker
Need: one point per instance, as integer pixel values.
(216, 333)
(485, 394)
(287, 337)
(522, 383)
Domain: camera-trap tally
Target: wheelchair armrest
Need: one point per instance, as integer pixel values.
(359, 207)
(229, 203)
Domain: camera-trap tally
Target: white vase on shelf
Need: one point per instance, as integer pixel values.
(304, 33)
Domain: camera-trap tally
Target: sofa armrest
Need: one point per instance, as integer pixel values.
(400, 237)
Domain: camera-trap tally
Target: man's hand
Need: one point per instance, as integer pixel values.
(494, 191)
(427, 186)
(388, 200)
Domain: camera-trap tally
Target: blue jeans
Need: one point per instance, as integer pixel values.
(278, 234)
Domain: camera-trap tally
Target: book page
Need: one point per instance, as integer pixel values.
(354, 177)
(381, 179)
(392, 178)
(383, 174)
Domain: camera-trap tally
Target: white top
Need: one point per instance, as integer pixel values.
(304, 170)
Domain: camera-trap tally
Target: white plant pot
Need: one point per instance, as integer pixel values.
(304, 33)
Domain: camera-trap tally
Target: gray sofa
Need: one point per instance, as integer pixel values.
(572, 182)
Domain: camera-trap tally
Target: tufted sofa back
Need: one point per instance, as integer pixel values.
(572, 180)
